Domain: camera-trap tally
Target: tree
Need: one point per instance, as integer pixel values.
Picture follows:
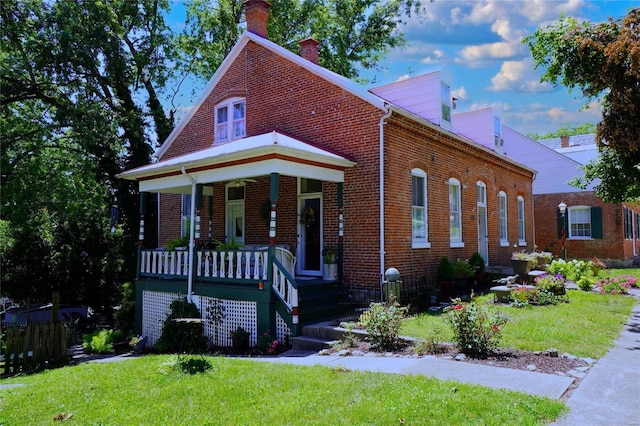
(80, 87)
(566, 129)
(353, 33)
(602, 60)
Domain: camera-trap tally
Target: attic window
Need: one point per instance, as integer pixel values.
(230, 120)
(445, 97)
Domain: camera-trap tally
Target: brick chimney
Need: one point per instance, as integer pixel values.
(309, 50)
(257, 14)
(564, 141)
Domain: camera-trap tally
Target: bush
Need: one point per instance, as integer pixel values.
(101, 341)
(191, 365)
(383, 321)
(446, 270)
(476, 328)
(267, 345)
(616, 285)
(477, 263)
(181, 336)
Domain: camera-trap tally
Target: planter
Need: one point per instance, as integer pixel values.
(139, 349)
(329, 271)
(521, 267)
(240, 343)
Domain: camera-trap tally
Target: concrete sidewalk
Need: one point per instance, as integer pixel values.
(608, 395)
(541, 384)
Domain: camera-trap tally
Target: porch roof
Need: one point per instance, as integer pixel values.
(240, 159)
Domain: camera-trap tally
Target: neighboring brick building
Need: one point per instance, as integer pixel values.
(279, 151)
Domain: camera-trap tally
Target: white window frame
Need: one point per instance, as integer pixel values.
(573, 211)
(226, 131)
(445, 98)
(522, 240)
(231, 209)
(502, 217)
(421, 220)
(185, 215)
(455, 213)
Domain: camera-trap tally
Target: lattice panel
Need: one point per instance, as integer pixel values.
(236, 313)
(283, 333)
(155, 309)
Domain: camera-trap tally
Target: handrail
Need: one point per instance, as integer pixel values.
(286, 288)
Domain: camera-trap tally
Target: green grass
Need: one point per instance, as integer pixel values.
(147, 391)
(586, 326)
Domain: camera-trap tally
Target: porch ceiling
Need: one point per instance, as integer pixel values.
(243, 158)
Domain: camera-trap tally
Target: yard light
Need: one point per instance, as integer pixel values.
(563, 209)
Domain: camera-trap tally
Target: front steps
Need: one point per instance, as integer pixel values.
(316, 337)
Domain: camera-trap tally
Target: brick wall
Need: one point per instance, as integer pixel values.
(612, 245)
(285, 97)
(442, 157)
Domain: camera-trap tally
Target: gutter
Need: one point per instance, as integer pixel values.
(192, 230)
(383, 119)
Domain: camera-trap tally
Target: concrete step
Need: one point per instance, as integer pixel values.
(311, 343)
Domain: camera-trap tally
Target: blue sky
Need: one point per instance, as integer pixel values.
(480, 43)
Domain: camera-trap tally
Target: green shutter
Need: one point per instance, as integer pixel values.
(596, 222)
(563, 222)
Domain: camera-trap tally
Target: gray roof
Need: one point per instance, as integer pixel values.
(575, 140)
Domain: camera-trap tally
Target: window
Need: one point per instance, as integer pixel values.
(419, 230)
(579, 222)
(230, 120)
(455, 220)
(521, 236)
(185, 213)
(502, 210)
(628, 223)
(445, 94)
(234, 224)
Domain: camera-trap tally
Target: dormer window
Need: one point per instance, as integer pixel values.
(230, 120)
(445, 96)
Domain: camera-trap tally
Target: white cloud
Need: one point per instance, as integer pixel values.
(460, 93)
(472, 55)
(518, 76)
(437, 56)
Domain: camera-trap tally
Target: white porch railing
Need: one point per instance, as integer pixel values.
(284, 286)
(243, 264)
(164, 262)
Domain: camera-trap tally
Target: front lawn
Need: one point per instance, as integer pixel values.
(586, 326)
(149, 391)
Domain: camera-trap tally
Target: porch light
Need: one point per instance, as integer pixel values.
(563, 208)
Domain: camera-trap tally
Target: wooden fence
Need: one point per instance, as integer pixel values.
(36, 346)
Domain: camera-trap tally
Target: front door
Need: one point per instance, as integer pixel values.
(310, 235)
(483, 234)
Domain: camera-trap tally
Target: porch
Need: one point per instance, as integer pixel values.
(263, 287)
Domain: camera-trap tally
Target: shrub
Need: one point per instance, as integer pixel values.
(463, 269)
(192, 365)
(476, 328)
(100, 341)
(446, 270)
(181, 336)
(383, 322)
(616, 285)
(349, 339)
(267, 344)
(551, 283)
(476, 261)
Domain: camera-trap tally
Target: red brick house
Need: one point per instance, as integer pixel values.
(290, 159)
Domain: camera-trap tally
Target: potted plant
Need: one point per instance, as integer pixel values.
(239, 339)
(177, 243)
(521, 261)
(543, 258)
(330, 263)
(446, 275)
(477, 264)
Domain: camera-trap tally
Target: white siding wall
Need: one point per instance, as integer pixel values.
(477, 126)
(419, 95)
(554, 169)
